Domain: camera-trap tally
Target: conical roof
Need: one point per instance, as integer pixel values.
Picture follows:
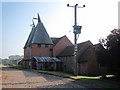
(39, 35)
(29, 40)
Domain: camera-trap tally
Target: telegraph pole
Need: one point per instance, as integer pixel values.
(76, 31)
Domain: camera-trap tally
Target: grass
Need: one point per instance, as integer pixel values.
(16, 66)
(55, 73)
(85, 77)
(87, 81)
(98, 82)
(102, 83)
(90, 81)
(89, 77)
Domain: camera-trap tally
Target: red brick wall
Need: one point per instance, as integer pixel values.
(45, 51)
(38, 51)
(27, 52)
(93, 65)
(67, 64)
(61, 45)
(83, 68)
(41, 51)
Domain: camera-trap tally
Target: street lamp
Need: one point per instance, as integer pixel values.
(76, 31)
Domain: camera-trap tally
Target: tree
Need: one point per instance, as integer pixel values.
(110, 56)
(5, 61)
(14, 58)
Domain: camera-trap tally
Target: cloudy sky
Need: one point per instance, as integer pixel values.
(98, 18)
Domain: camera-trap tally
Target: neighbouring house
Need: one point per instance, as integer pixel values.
(86, 58)
(51, 53)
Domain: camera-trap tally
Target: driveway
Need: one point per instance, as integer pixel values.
(14, 78)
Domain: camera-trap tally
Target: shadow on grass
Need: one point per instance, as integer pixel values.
(108, 82)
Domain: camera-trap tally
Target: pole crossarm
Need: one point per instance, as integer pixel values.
(76, 5)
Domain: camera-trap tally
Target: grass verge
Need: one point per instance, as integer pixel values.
(55, 73)
(16, 66)
(90, 81)
(87, 81)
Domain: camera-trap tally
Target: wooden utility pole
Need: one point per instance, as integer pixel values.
(76, 31)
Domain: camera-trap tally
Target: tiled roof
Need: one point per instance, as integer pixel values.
(46, 59)
(29, 40)
(41, 36)
(69, 51)
(38, 35)
(56, 40)
(85, 56)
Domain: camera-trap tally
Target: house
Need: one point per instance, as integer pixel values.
(86, 59)
(51, 53)
(38, 45)
(40, 51)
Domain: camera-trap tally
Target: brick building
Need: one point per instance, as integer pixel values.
(40, 51)
(86, 59)
(51, 53)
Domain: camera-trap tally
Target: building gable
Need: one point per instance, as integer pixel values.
(69, 51)
(60, 45)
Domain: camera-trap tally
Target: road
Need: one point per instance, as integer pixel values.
(14, 78)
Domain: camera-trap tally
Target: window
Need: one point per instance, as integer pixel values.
(39, 45)
(51, 49)
(46, 45)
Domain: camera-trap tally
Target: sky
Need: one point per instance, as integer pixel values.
(98, 18)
